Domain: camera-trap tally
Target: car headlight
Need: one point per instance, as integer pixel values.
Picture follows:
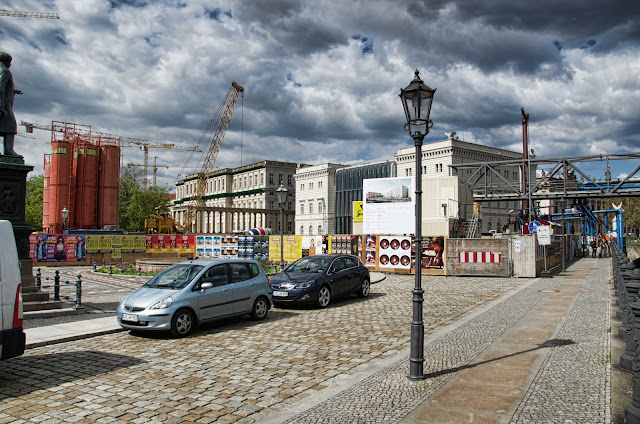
(303, 285)
(162, 303)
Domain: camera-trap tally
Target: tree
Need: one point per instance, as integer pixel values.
(631, 214)
(33, 204)
(136, 202)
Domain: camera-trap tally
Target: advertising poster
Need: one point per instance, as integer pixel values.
(261, 248)
(229, 247)
(139, 243)
(292, 248)
(389, 205)
(205, 245)
(394, 252)
(245, 247)
(432, 253)
(57, 248)
(186, 244)
(370, 251)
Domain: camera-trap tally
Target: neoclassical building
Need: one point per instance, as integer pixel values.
(438, 155)
(239, 199)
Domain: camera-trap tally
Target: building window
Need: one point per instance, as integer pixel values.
(289, 179)
(310, 208)
(280, 178)
(319, 229)
(319, 184)
(270, 177)
(320, 206)
(250, 180)
(271, 204)
(310, 230)
(262, 178)
(310, 186)
(289, 206)
(245, 180)
(301, 230)
(289, 226)
(301, 208)
(301, 187)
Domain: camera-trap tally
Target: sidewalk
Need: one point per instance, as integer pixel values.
(85, 328)
(541, 354)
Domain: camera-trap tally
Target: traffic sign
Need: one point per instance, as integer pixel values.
(533, 227)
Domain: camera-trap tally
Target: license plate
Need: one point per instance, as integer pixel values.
(280, 294)
(130, 317)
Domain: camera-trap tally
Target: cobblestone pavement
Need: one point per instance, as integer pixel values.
(572, 385)
(238, 370)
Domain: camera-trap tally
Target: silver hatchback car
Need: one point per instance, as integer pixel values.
(193, 292)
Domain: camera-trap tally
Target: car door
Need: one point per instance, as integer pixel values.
(353, 271)
(216, 301)
(243, 287)
(338, 277)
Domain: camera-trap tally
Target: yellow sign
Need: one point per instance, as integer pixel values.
(292, 248)
(358, 211)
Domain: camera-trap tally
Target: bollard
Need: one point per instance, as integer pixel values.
(56, 286)
(626, 359)
(632, 411)
(104, 262)
(38, 279)
(139, 270)
(78, 293)
(110, 269)
(95, 268)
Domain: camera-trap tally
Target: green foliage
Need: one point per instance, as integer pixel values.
(631, 214)
(136, 202)
(33, 204)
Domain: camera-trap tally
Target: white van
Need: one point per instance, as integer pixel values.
(12, 337)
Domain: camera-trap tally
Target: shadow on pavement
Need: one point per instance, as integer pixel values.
(26, 374)
(548, 343)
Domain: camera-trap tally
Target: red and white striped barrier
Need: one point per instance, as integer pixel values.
(479, 256)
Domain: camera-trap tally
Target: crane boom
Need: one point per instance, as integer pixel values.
(212, 153)
(28, 15)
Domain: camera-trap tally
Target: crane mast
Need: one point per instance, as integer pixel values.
(212, 153)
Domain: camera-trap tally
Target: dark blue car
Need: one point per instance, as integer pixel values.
(319, 278)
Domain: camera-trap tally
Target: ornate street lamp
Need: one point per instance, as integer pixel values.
(65, 215)
(416, 100)
(281, 195)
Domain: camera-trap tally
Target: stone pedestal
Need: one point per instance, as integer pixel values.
(13, 191)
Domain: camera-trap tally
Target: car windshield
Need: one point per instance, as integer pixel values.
(309, 264)
(175, 277)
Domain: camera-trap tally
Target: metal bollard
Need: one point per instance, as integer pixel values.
(110, 269)
(56, 286)
(632, 411)
(78, 304)
(139, 270)
(104, 262)
(38, 279)
(95, 268)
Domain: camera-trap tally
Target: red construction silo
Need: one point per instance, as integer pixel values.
(108, 185)
(86, 172)
(45, 192)
(61, 193)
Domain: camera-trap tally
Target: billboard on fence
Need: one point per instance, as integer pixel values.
(394, 252)
(167, 243)
(292, 248)
(57, 247)
(389, 205)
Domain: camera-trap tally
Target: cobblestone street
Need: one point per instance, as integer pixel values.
(238, 370)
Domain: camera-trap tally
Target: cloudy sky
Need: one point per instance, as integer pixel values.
(322, 77)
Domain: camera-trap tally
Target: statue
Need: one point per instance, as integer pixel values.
(8, 126)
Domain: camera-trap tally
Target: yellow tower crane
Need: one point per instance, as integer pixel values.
(222, 117)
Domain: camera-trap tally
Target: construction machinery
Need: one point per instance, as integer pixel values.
(162, 223)
(222, 117)
(145, 145)
(28, 15)
(156, 166)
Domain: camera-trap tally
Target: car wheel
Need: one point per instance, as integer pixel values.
(324, 297)
(365, 288)
(260, 309)
(182, 323)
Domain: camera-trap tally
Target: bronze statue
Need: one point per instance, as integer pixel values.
(8, 126)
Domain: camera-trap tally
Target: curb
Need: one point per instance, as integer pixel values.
(73, 338)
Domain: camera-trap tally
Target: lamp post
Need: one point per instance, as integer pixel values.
(281, 195)
(416, 101)
(65, 215)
